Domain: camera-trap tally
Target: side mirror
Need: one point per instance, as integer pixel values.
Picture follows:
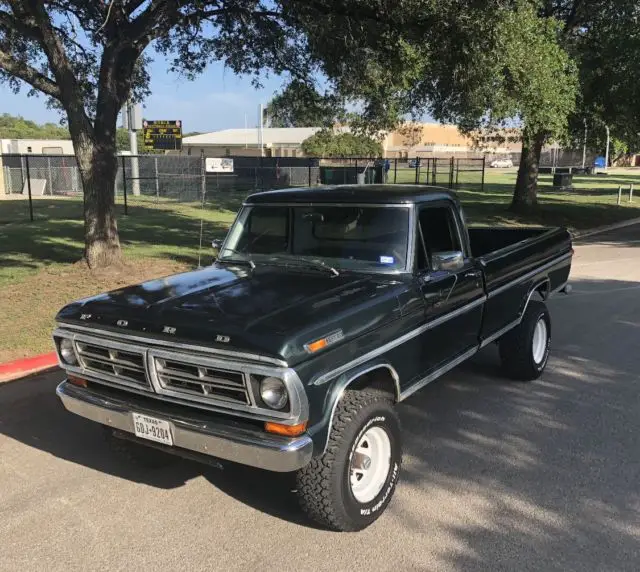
(216, 245)
(451, 261)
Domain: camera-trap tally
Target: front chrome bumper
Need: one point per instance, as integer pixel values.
(245, 446)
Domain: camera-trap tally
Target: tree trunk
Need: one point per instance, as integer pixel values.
(525, 195)
(98, 168)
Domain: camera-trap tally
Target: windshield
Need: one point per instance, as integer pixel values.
(347, 237)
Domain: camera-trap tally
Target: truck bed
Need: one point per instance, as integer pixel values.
(514, 263)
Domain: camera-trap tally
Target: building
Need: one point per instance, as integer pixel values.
(412, 140)
(36, 146)
(277, 142)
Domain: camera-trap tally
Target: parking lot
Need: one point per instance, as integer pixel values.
(497, 475)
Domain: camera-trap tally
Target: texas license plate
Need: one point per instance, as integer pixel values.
(152, 429)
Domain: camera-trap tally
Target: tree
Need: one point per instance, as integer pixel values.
(299, 104)
(327, 143)
(12, 127)
(88, 59)
(608, 52)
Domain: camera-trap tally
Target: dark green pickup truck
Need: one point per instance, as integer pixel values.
(324, 308)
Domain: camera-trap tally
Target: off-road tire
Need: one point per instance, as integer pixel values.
(323, 486)
(516, 346)
(136, 454)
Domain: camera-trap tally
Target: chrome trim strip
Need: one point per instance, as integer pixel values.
(558, 289)
(437, 373)
(340, 391)
(506, 250)
(345, 204)
(517, 322)
(500, 332)
(171, 344)
(528, 275)
(398, 341)
(245, 446)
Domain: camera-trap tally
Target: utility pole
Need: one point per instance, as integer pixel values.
(606, 157)
(134, 123)
(260, 132)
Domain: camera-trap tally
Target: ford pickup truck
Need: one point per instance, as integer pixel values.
(323, 309)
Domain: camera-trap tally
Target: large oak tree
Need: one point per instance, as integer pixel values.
(89, 57)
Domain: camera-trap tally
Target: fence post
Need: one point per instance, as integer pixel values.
(309, 168)
(50, 175)
(417, 171)
(124, 185)
(434, 174)
(395, 170)
(451, 173)
(204, 190)
(484, 160)
(457, 171)
(357, 171)
(619, 194)
(29, 189)
(631, 193)
(157, 182)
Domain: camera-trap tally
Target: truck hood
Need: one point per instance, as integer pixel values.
(271, 311)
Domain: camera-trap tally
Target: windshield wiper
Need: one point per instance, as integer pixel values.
(315, 263)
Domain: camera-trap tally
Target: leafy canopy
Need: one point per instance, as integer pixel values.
(328, 143)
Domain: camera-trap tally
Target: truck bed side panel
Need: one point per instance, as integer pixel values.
(512, 272)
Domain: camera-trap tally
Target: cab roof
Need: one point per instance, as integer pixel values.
(362, 194)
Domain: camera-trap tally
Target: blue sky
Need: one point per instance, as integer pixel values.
(216, 100)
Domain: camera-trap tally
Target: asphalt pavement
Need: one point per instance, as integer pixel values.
(497, 476)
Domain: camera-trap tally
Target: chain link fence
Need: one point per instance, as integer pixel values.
(45, 186)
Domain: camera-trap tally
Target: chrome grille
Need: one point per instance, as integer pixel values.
(201, 380)
(126, 366)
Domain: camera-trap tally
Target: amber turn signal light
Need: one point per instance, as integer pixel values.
(313, 347)
(77, 381)
(286, 430)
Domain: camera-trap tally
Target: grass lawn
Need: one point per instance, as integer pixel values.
(39, 269)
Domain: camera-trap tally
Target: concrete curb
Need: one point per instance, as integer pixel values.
(591, 231)
(22, 367)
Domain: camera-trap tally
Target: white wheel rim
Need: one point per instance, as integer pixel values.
(539, 341)
(370, 464)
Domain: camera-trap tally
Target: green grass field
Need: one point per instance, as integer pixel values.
(40, 272)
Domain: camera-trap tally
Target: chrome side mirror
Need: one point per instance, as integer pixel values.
(451, 261)
(216, 245)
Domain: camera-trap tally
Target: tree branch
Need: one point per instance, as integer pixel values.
(29, 75)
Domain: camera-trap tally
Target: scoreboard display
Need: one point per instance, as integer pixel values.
(162, 135)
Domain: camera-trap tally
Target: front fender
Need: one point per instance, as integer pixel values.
(335, 387)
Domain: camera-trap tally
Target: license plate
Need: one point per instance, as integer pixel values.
(152, 429)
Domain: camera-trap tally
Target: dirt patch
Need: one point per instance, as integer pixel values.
(29, 307)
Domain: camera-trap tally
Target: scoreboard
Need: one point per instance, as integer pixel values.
(162, 135)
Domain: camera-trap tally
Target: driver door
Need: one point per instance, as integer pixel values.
(450, 286)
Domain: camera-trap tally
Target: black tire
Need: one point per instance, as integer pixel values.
(323, 486)
(135, 454)
(516, 346)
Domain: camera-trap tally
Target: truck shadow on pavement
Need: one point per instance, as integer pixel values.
(547, 470)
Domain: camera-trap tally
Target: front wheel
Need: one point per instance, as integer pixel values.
(524, 351)
(351, 484)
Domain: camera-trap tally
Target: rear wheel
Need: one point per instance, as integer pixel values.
(524, 351)
(351, 484)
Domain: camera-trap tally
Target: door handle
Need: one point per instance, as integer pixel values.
(473, 274)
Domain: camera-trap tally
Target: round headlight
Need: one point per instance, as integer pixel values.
(67, 353)
(274, 392)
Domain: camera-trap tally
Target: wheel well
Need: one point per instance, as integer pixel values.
(383, 378)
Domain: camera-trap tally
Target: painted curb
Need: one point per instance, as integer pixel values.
(591, 231)
(26, 366)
